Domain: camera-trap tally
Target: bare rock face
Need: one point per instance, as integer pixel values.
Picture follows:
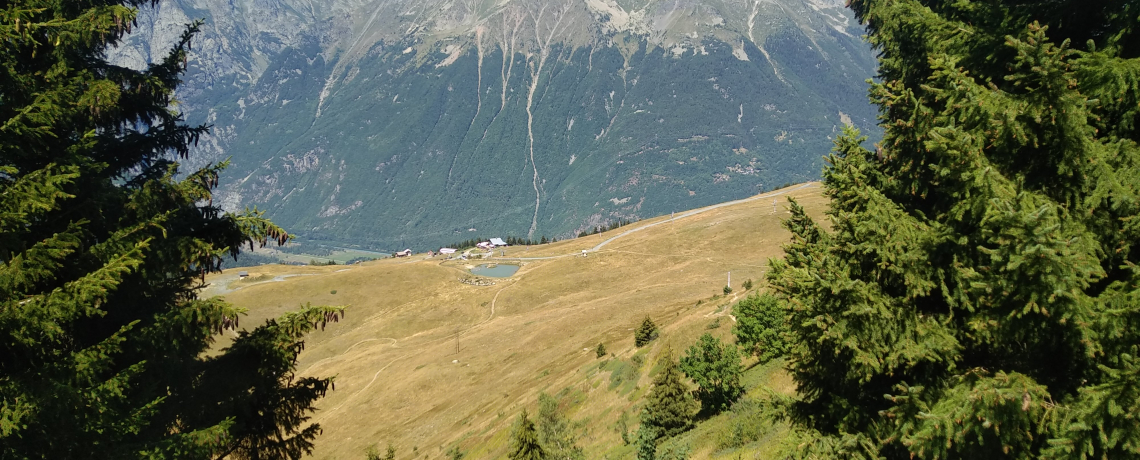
(386, 123)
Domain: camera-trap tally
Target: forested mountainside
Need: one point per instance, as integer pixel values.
(386, 124)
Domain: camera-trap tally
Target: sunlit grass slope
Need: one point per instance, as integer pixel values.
(400, 380)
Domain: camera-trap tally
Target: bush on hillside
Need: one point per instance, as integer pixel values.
(761, 326)
(715, 367)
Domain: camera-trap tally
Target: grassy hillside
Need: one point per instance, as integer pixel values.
(401, 380)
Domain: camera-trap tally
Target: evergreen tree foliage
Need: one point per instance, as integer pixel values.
(669, 407)
(104, 244)
(555, 432)
(645, 333)
(600, 351)
(524, 440)
(674, 451)
(760, 326)
(647, 442)
(977, 294)
(715, 367)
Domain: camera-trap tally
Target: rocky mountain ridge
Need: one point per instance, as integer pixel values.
(391, 123)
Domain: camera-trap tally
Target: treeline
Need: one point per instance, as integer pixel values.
(253, 259)
(605, 228)
(306, 250)
(510, 240)
(520, 241)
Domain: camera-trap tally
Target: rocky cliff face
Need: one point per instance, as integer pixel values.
(388, 123)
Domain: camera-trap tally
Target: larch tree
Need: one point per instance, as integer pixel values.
(977, 293)
(104, 244)
(557, 434)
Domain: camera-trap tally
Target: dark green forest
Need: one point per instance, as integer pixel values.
(404, 154)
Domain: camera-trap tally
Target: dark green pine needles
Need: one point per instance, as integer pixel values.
(977, 294)
(669, 407)
(645, 333)
(524, 440)
(103, 246)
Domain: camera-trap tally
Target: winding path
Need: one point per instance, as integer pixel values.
(494, 300)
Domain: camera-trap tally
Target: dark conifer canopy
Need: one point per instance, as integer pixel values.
(669, 408)
(524, 440)
(103, 245)
(977, 294)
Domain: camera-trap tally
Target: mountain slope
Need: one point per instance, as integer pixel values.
(397, 123)
(400, 379)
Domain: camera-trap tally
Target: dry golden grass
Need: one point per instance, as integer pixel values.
(400, 380)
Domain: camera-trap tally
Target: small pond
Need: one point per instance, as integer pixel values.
(495, 271)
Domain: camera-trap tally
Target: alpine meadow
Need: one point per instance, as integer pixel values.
(632, 242)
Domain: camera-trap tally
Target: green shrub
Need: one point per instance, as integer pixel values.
(761, 326)
(638, 361)
(715, 367)
(748, 421)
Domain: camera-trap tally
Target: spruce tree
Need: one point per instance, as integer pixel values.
(976, 296)
(104, 244)
(669, 408)
(524, 440)
(645, 333)
(715, 367)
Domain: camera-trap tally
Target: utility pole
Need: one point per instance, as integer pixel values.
(729, 279)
